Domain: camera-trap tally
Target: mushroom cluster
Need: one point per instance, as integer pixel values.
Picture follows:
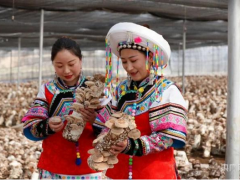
(121, 126)
(89, 97)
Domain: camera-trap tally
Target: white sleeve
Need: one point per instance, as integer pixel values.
(171, 95)
(41, 92)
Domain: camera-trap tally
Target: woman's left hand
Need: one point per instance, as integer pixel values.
(119, 147)
(88, 114)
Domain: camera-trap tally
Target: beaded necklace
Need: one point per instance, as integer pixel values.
(67, 88)
(139, 91)
(133, 111)
(125, 90)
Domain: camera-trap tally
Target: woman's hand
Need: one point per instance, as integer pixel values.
(88, 114)
(119, 147)
(55, 123)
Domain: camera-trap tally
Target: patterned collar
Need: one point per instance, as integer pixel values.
(134, 88)
(139, 84)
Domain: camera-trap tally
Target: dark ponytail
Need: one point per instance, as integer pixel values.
(68, 44)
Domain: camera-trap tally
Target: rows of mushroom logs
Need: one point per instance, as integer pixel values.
(207, 113)
(206, 96)
(15, 101)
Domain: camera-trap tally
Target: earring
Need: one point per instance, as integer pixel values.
(55, 76)
(129, 79)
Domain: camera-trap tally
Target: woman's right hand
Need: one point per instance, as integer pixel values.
(55, 123)
(119, 147)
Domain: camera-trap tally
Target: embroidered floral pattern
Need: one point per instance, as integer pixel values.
(39, 112)
(168, 119)
(156, 142)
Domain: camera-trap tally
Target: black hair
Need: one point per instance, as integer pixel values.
(68, 44)
(146, 25)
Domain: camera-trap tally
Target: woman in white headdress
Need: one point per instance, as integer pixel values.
(155, 103)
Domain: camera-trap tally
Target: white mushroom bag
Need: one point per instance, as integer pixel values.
(85, 97)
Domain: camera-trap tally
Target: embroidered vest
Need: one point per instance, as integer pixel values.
(153, 166)
(59, 155)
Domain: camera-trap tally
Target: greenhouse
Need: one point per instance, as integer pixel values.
(204, 38)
